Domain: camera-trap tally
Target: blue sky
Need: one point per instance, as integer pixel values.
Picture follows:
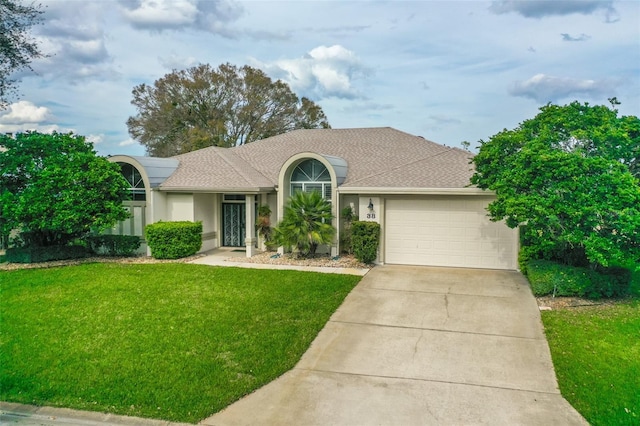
(449, 71)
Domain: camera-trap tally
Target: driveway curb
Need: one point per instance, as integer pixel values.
(14, 413)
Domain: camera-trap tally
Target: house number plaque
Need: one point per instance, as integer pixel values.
(368, 208)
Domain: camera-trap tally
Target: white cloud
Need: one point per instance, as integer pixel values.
(127, 142)
(324, 72)
(73, 39)
(332, 80)
(86, 51)
(332, 53)
(546, 88)
(540, 9)
(177, 62)
(25, 127)
(75, 20)
(24, 112)
(158, 15)
(95, 139)
(23, 116)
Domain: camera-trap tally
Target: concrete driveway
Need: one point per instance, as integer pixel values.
(420, 346)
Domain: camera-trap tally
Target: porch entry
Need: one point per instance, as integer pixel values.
(233, 224)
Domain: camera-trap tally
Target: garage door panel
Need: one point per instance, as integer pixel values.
(447, 231)
(454, 232)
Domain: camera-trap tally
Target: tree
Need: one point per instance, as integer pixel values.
(228, 106)
(569, 177)
(54, 188)
(591, 131)
(306, 223)
(17, 48)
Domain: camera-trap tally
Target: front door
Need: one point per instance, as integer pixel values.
(233, 224)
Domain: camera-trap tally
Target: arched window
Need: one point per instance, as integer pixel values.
(136, 183)
(311, 175)
(136, 205)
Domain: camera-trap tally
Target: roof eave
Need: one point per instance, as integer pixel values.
(229, 190)
(413, 191)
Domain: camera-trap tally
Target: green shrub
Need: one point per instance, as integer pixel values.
(634, 287)
(547, 277)
(365, 238)
(263, 225)
(612, 282)
(113, 245)
(173, 240)
(346, 236)
(346, 242)
(44, 254)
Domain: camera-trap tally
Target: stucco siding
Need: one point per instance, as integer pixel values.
(205, 212)
(157, 207)
(180, 207)
(272, 200)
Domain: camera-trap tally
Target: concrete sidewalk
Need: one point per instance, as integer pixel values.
(420, 346)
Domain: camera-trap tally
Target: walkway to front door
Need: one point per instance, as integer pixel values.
(233, 225)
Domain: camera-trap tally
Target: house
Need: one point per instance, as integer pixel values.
(416, 189)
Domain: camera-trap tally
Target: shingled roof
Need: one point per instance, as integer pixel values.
(376, 158)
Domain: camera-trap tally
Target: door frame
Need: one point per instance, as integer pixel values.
(241, 223)
(236, 199)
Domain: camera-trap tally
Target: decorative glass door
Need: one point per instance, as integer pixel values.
(233, 226)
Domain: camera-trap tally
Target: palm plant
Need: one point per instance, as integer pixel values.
(263, 225)
(306, 223)
(348, 216)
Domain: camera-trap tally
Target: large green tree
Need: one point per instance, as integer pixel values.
(570, 177)
(17, 47)
(228, 106)
(54, 188)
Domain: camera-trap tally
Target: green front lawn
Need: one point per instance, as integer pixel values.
(596, 354)
(169, 341)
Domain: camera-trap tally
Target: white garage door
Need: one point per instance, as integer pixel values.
(447, 231)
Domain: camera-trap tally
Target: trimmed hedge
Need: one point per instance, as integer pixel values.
(113, 245)
(365, 238)
(173, 240)
(45, 254)
(547, 277)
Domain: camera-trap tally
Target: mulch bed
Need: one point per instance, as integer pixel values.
(347, 261)
(320, 260)
(549, 303)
